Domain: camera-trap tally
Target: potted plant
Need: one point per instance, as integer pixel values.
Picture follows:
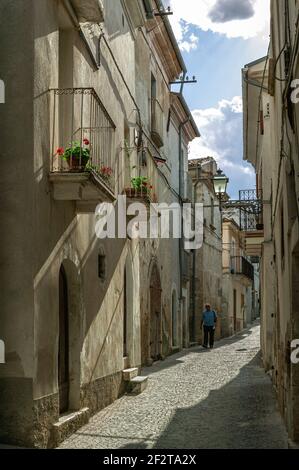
(76, 155)
(140, 187)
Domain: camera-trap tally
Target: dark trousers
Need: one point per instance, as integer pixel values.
(209, 333)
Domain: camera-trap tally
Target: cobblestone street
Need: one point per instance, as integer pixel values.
(195, 399)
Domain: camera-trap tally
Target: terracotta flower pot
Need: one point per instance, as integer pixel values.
(137, 193)
(74, 163)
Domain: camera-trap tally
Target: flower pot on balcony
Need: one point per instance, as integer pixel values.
(76, 164)
(137, 193)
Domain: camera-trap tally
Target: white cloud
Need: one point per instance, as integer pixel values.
(203, 14)
(190, 44)
(221, 138)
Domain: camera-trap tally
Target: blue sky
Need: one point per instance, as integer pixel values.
(217, 38)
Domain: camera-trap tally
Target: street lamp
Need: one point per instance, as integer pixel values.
(220, 182)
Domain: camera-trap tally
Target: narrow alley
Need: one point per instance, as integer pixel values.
(150, 208)
(195, 399)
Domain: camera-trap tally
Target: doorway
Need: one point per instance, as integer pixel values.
(235, 311)
(125, 319)
(295, 335)
(129, 350)
(155, 315)
(63, 352)
(174, 315)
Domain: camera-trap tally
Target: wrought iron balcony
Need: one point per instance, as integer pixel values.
(83, 161)
(241, 266)
(157, 130)
(251, 212)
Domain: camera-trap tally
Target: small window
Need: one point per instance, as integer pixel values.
(102, 266)
(282, 237)
(212, 211)
(262, 126)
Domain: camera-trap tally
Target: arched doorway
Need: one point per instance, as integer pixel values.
(70, 337)
(295, 335)
(155, 315)
(128, 305)
(63, 352)
(125, 319)
(174, 317)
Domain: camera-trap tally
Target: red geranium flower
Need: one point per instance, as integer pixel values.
(86, 142)
(106, 170)
(60, 151)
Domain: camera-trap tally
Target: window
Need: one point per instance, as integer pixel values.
(153, 87)
(102, 266)
(262, 127)
(282, 239)
(174, 320)
(212, 211)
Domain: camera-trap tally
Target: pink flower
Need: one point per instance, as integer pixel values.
(86, 142)
(60, 151)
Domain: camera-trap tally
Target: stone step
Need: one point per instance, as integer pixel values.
(138, 385)
(129, 374)
(126, 363)
(68, 424)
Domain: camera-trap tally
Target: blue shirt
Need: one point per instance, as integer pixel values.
(209, 317)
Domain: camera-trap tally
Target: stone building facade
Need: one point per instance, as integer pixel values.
(271, 145)
(207, 261)
(238, 277)
(77, 310)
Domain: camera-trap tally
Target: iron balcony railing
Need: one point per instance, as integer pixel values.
(157, 130)
(82, 134)
(251, 210)
(241, 266)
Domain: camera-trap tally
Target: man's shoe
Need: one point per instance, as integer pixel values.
(205, 346)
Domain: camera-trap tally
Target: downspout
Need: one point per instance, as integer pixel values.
(181, 247)
(76, 23)
(102, 36)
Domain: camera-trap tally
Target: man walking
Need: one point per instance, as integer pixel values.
(209, 320)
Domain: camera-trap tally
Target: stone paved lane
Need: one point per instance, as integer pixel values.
(196, 399)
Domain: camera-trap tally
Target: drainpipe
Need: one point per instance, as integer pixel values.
(103, 37)
(181, 247)
(77, 25)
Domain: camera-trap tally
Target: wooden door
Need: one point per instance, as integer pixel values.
(125, 319)
(63, 354)
(155, 316)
